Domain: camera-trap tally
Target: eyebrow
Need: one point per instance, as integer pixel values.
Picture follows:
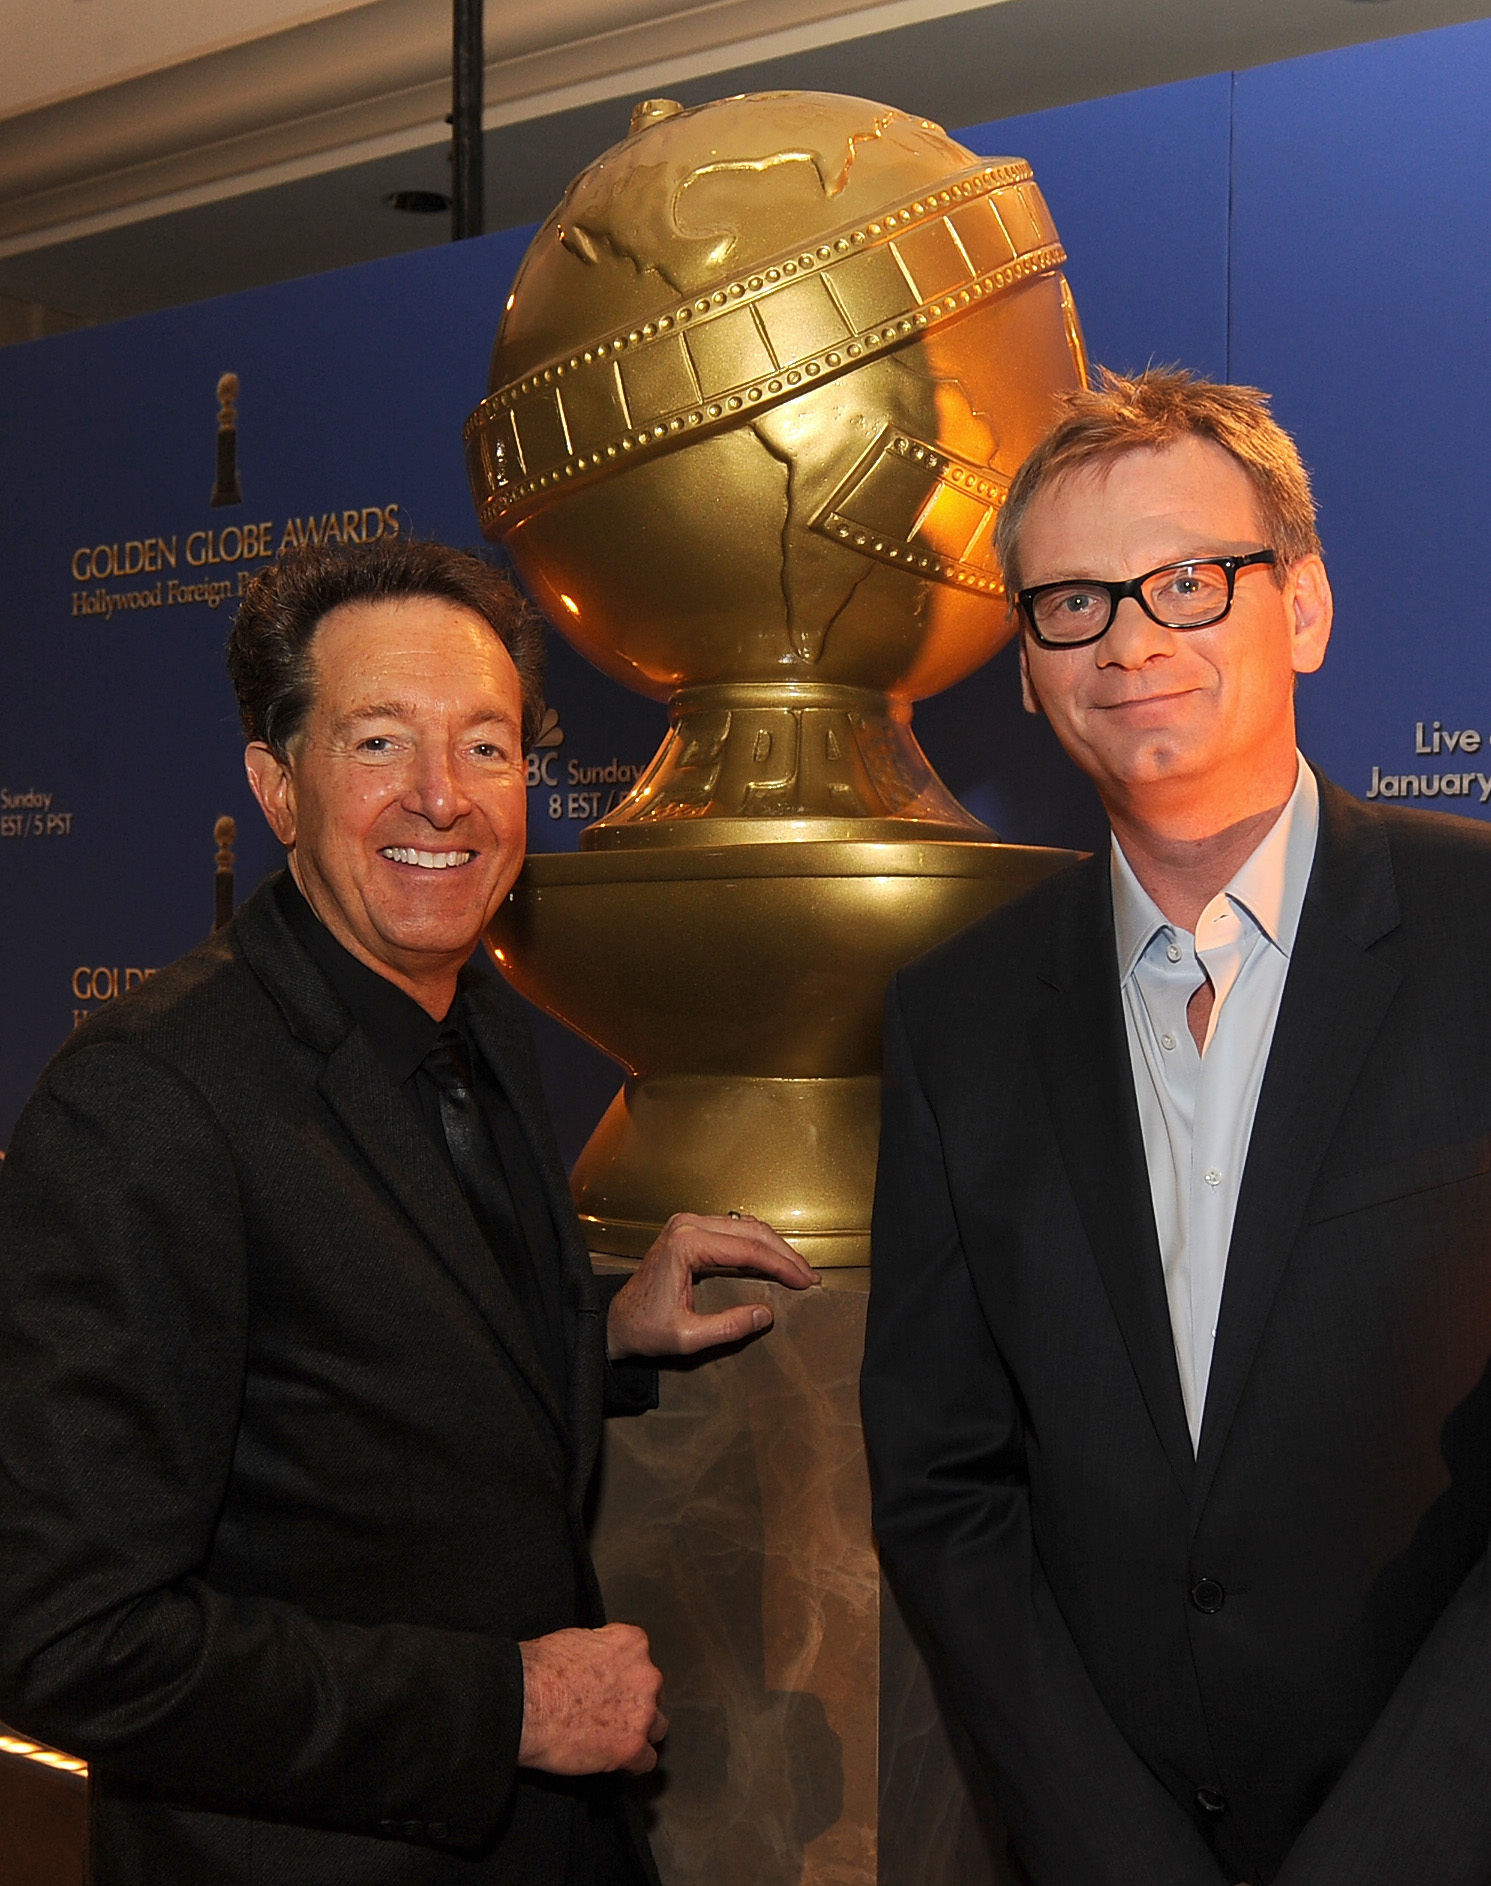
(1187, 556)
(376, 710)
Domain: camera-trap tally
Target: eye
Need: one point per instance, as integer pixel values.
(1070, 602)
(1189, 591)
(1069, 609)
(375, 743)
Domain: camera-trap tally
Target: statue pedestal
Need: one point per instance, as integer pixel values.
(733, 1525)
(742, 983)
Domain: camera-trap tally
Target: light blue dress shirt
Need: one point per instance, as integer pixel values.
(1196, 1108)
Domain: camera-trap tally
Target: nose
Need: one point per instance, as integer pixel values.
(434, 790)
(1133, 638)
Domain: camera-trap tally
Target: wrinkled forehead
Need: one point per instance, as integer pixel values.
(422, 653)
(1192, 486)
(420, 634)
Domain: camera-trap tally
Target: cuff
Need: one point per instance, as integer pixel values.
(631, 1387)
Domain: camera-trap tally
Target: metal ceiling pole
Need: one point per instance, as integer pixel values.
(467, 215)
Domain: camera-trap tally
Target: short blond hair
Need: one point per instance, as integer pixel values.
(1150, 411)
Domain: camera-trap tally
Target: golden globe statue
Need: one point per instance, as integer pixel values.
(760, 387)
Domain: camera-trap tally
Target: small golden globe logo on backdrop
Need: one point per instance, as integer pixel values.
(227, 489)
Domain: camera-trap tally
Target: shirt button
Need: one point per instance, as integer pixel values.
(1167, 1041)
(1173, 952)
(1212, 1176)
(1208, 1596)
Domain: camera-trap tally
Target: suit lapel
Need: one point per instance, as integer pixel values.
(501, 1031)
(357, 1088)
(1335, 999)
(1084, 1060)
(376, 1118)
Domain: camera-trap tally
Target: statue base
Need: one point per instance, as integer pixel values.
(799, 1154)
(733, 1525)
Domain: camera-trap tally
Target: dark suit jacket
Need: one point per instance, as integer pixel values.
(1320, 1712)
(282, 1480)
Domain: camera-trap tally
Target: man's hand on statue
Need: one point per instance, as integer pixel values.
(654, 1314)
(590, 1702)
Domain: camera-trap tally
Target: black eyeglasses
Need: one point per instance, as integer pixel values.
(1189, 595)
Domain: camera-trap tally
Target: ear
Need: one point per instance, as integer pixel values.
(273, 785)
(1307, 592)
(1028, 696)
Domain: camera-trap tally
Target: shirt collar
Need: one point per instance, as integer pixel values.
(1270, 884)
(398, 1030)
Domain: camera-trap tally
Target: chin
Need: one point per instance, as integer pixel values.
(432, 931)
(1164, 751)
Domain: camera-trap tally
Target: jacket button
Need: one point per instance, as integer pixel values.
(388, 1827)
(1207, 1595)
(438, 1830)
(1211, 1801)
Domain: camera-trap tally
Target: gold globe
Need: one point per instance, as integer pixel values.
(762, 382)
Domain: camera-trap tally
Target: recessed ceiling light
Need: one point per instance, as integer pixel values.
(418, 202)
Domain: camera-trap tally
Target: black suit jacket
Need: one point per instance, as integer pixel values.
(1319, 1711)
(282, 1480)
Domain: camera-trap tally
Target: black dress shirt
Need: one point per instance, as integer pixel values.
(402, 1034)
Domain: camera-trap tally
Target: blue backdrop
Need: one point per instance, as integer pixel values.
(1316, 228)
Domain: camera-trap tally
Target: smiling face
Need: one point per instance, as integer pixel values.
(1189, 730)
(402, 799)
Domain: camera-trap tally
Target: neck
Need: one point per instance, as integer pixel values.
(435, 997)
(1182, 868)
(433, 989)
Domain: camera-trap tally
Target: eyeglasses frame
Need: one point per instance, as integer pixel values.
(1118, 592)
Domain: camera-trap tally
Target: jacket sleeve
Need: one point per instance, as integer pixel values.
(124, 1287)
(952, 1515)
(1415, 1802)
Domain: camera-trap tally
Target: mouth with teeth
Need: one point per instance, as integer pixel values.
(426, 860)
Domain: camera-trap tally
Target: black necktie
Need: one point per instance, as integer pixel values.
(489, 1193)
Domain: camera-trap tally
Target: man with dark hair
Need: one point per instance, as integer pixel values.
(302, 1361)
(1176, 1374)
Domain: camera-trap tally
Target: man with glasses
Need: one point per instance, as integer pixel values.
(1176, 1387)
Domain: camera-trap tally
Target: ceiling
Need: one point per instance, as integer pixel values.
(147, 160)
